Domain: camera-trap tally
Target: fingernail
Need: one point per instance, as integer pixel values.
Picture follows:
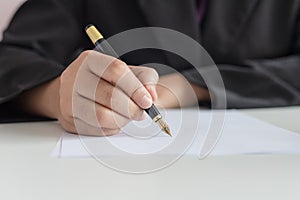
(146, 101)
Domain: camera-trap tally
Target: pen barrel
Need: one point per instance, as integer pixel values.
(153, 113)
(104, 47)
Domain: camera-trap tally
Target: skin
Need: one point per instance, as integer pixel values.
(98, 94)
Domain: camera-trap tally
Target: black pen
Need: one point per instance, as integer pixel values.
(103, 46)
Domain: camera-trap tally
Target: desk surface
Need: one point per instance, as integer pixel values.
(28, 172)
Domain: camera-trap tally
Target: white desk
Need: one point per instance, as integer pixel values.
(28, 172)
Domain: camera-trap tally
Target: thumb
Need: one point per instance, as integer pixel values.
(148, 77)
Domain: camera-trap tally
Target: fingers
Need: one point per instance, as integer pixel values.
(148, 77)
(84, 128)
(79, 126)
(106, 95)
(85, 121)
(97, 115)
(116, 100)
(119, 74)
(100, 94)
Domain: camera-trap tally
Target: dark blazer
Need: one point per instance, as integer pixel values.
(255, 43)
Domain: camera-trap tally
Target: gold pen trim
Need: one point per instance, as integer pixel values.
(156, 118)
(93, 34)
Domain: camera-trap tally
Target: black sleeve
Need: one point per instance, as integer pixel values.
(266, 82)
(258, 83)
(39, 43)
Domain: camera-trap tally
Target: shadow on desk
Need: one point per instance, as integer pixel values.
(30, 132)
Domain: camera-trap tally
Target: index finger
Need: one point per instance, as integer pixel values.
(118, 74)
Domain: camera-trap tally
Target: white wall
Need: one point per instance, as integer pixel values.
(7, 10)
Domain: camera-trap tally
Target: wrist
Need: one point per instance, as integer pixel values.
(42, 100)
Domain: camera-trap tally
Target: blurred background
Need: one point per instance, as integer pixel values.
(7, 10)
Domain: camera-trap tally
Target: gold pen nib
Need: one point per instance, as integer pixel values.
(164, 126)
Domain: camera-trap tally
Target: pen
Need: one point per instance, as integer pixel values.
(103, 46)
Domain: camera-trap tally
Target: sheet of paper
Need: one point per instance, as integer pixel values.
(194, 133)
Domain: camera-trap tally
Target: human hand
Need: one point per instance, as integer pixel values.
(100, 94)
(175, 91)
(96, 95)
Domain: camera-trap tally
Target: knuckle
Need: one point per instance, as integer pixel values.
(154, 75)
(118, 66)
(86, 53)
(108, 94)
(152, 71)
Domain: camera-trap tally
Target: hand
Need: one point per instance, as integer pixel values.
(97, 95)
(175, 91)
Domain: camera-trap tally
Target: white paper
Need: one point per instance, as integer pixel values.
(192, 132)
